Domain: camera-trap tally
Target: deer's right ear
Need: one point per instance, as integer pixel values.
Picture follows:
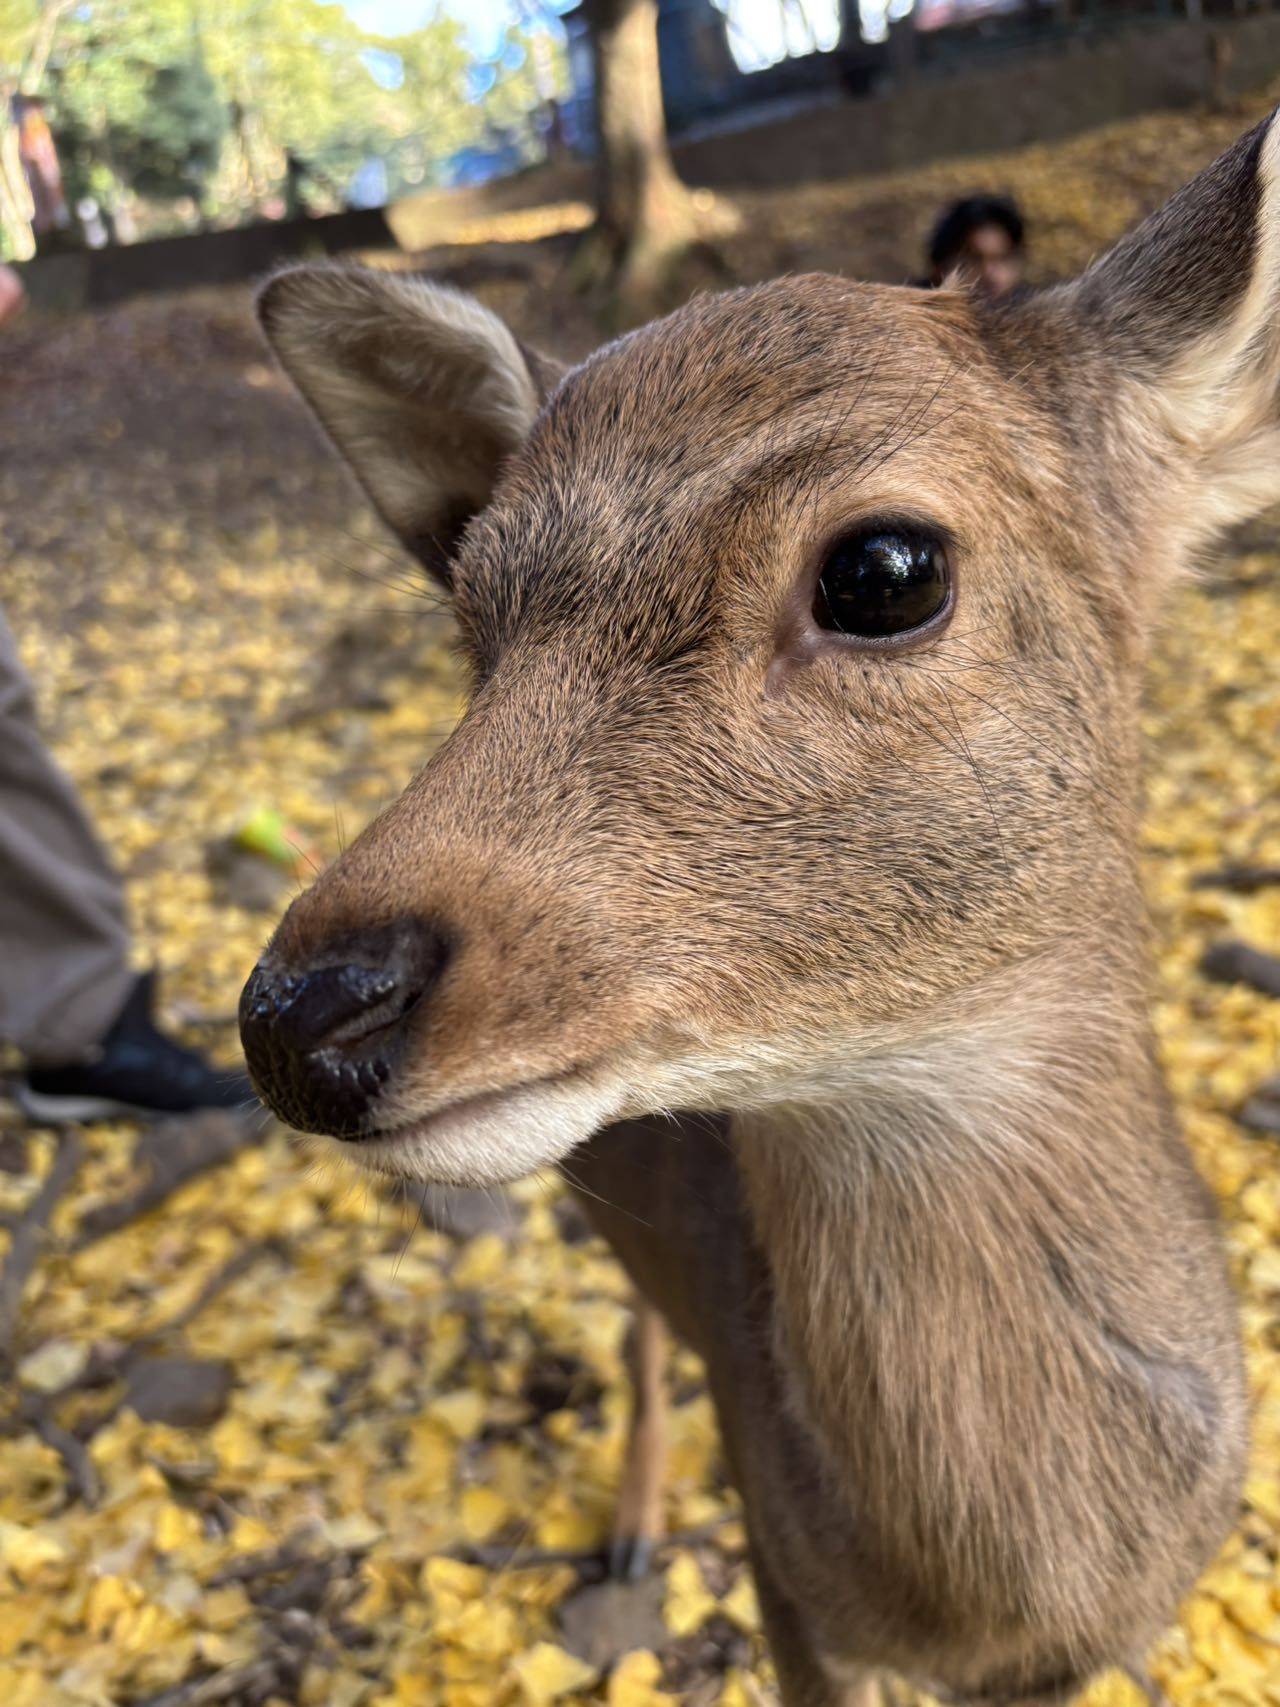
(423, 391)
(1187, 307)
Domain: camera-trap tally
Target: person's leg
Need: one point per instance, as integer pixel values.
(68, 1000)
(64, 974)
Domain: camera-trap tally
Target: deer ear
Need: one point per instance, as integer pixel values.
(1188, 306)
(422, 390)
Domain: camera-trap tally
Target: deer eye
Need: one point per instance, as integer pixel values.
(881, 581)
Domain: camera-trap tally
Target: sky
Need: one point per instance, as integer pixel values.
(485, 20)
(761, 32)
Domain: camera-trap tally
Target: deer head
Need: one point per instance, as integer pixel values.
(804, 629)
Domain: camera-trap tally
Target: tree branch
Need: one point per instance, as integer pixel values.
(174, 1151)
(1237, 963)
(36, 62)
(29, 1235)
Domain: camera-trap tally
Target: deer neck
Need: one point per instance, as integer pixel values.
(945, 1237)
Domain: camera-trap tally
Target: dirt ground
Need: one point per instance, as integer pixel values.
(384, 1473)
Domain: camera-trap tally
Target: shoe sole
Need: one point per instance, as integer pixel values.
(45, 1110)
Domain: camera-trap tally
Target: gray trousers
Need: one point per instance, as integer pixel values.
(64, 972)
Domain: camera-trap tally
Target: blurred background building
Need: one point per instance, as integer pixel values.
(129, 122)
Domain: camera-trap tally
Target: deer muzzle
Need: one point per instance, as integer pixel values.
(323, 1037)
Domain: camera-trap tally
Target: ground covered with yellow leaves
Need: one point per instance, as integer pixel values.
(395, 1450)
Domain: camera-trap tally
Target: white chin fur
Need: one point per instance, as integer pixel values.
(491, 1140)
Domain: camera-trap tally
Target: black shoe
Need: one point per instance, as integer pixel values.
(135, 1070)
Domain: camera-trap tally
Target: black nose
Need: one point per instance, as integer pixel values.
(323, 1037)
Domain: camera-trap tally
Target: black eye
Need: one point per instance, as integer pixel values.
(882, 581)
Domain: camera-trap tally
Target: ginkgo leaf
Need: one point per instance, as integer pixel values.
(547, 1673)
(689, 1603)
(633, 1682)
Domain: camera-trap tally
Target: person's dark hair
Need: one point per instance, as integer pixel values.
(962, 217)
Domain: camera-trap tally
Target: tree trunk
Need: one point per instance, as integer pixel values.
(646, 218)
(15, 201)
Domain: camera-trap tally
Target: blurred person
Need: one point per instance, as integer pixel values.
(92, 223)
(13, 298)
(69, 1003)
(38, 154)
(981, 242)
(301, 181)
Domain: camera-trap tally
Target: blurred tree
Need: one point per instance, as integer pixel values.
(646, 219)
(520, 88)
(136, 109)
(176, 145)
(252, 106)
(139, 112)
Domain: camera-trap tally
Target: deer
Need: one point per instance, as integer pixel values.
(779, 883)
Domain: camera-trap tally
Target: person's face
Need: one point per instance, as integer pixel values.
(988, 261)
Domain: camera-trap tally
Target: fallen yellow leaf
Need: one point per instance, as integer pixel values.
(689, 1603)
(546, 1673)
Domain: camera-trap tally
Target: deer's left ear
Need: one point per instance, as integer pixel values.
(1187, 309)
(423, 391)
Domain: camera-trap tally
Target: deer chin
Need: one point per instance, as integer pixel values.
(495, 1137)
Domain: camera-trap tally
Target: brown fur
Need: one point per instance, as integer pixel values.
(959, 1291)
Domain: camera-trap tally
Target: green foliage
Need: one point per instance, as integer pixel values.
(164, 143)
(156, 100)
(179, 141)
(18, 20)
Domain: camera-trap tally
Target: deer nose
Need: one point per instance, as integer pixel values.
(323, 1037)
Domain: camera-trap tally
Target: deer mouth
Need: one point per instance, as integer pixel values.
(496, 1136)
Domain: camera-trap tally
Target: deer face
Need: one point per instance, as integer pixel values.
(803, 628)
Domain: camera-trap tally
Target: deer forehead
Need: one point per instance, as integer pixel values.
(725, 377)
(676, 476)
